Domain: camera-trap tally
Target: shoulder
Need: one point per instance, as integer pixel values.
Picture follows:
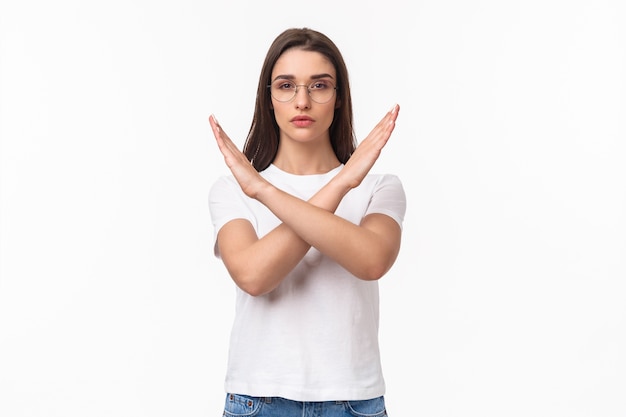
(386, 195)
(224, 181)
(383, 180)
(224, 186)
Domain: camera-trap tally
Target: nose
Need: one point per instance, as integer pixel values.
(302, 99)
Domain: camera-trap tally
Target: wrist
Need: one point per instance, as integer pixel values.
(343, 182)
(265, 192)
(339, 185)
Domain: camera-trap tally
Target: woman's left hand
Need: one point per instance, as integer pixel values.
(368, 151)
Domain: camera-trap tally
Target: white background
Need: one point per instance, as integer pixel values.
(508, 298)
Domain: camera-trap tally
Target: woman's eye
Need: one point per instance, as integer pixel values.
(321, 85)
(286, 86)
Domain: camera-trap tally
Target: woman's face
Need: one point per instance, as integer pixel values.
(301, 118)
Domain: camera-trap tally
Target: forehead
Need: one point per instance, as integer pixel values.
(302, 64)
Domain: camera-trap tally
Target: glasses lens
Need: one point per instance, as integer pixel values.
(321, 91)
(283, 90)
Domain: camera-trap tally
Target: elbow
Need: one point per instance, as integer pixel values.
(374, 271)
(373, 274)
(376, 267)
(252, 285)
(249, 287)
(253, 290)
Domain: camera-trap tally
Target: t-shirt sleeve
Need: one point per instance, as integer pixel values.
(227, 202)
(389, 198)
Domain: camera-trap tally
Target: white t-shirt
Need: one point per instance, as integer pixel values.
(315, 336)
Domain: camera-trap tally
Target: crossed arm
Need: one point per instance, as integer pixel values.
(258, 266)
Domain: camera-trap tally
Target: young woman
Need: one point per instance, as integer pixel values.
(305, 231)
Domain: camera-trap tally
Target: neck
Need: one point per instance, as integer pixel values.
(303, 159)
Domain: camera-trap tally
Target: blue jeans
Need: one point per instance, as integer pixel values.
(243, 405)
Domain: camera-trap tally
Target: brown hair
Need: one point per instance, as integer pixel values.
(261, 144)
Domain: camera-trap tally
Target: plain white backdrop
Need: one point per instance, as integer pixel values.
(509, 295)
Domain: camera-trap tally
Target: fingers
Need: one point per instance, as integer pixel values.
(392, 115)
(394, 111)
(386, 125)
(215, 126)
(221, 137)
(231, 153)
(223, 141)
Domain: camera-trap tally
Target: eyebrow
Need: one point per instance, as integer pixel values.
(292, 77)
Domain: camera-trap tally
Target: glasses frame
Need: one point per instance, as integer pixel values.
(308, 90)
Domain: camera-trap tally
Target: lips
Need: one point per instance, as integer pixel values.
(302, 121)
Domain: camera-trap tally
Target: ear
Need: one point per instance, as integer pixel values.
(337, 104)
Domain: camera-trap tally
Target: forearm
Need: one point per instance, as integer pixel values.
(259, 265)
(367, 252)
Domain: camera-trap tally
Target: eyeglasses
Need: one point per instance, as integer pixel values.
(320, 91)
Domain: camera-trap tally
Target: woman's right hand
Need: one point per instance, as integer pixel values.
(250, 181)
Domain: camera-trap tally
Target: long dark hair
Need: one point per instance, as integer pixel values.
(261, 144)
